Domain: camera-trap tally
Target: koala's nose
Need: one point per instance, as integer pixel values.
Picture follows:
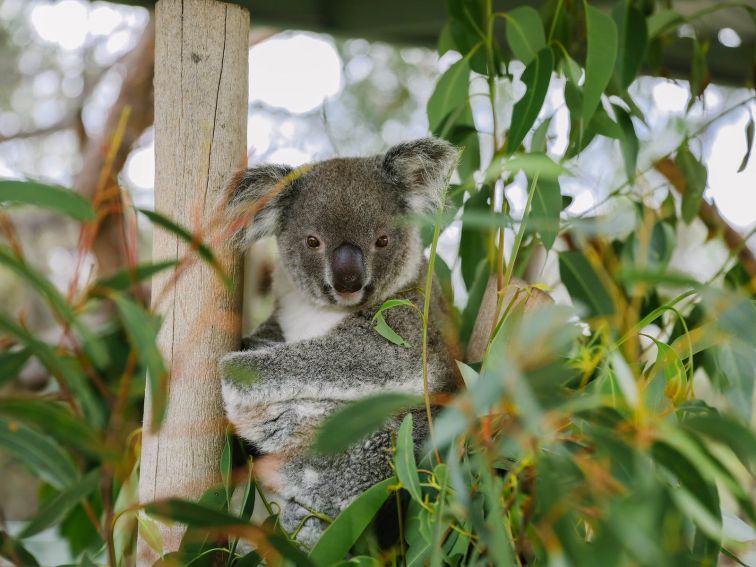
(348, 268)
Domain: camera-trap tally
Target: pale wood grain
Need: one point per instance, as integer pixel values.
(200, 137)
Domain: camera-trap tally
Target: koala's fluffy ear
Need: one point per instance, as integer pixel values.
(422, 168)
(255, 199)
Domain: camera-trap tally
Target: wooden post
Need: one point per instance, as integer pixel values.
(200, 138)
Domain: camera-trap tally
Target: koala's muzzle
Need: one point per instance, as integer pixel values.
(348, 268)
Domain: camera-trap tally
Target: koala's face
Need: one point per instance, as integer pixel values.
(339, 225)
(340, 236)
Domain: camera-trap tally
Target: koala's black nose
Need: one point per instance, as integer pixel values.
(348, 268)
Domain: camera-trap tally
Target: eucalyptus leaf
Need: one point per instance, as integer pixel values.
(54, 198)
(359, 419)
(695, 175)
(339, 537)
(406, 469)
(56, 508)
(602, 54)
(584, 285)
(537, 76)
(142, 328)
(524, 32)
(451, 92)
(40, 453)
(632, 42)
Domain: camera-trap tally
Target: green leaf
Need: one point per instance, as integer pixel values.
(92, 346)
(572, 71)
(359, 419)
(695, 182)
(628, 142)
(537, 76)
(689, 477)
(727, 431)
(632, 42)
(59, 506)
(544, 216)
(251, 559)
(51, 197)
(450, 93)
(142, 328)
(473, 241)
(469, 374)
(41, 454)
(383, 329)
(202, 249)
(699, 70)
(207, 517)
(193, 514)
(289, 551)
(749, 145)
(12, 549)
(225, 469)
(524, 31)
(11, 363)
(56, 420)
(465, 137)
(538, 142)
(125, 279)
(584, 285)
(531, 165)
(602, 53)
(474, 299)
(406, 468)
(662, 21)
(339, 537)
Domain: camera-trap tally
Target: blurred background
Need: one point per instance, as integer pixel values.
(68, 69)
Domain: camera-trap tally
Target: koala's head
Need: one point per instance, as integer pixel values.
(337, 222)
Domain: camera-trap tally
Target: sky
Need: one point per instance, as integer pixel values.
(298, 72)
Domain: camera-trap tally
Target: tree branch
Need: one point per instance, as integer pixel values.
(710, 216)
(97, 179)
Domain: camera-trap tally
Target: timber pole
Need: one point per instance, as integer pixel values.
(200, 138)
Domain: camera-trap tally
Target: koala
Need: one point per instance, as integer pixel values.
(342, 252)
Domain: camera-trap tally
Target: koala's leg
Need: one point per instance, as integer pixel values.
(329, 484)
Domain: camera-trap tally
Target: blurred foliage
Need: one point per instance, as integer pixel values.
(614, 432)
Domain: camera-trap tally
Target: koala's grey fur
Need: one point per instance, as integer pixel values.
(319, 349)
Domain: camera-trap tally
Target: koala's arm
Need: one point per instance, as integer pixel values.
(351, 361)
(268, 333)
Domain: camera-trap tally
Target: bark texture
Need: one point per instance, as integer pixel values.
(97, 179)
(200, 137)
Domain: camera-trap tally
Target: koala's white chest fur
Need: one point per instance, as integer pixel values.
(298, 317)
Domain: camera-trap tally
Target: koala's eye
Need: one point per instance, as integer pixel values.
(382, 241)
(312, 242)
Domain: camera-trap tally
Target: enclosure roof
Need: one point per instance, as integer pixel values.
(419, 22)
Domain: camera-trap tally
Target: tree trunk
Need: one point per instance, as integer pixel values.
(200, 137)
(98, 178)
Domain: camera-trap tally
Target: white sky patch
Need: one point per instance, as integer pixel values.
(63, 23)
(733, 192)
(104, 19)
(140, 167)
(669, 97)
(296, 72)
(259, 133)
(729, 38)
(290, 156)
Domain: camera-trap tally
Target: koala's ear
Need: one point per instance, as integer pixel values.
(422, 168)
(254, 201)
